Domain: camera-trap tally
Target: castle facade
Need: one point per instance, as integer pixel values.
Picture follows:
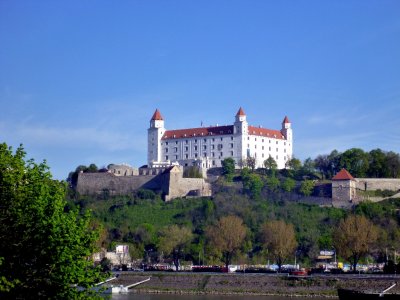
(206, 147)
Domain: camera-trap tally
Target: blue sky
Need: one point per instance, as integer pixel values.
(79, 80)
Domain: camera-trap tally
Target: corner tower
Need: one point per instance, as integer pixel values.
(241, 125)
(154, 135)
(287, 129)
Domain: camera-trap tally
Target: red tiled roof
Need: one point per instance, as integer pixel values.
(343, 175)
(270, 133)
(240, 112)
(286, 120)
(157, 115)
(202, 131)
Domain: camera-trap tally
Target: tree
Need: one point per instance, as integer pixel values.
(288, 185)
(279, 239)
(44, 249)
(228, 168)
(227, 236)
(273, 183)
(271, 165)
(355, 161)
(377, 164)
(172, 240)
(393, 164)
(307, 187)
(251, 163)
(353, 238)
(252, 183)
(323, 165)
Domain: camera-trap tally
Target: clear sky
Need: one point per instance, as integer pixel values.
(80, 80)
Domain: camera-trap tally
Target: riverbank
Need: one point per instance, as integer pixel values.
(253, 284)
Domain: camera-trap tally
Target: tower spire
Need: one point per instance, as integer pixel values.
(240, 112)
(157, 116)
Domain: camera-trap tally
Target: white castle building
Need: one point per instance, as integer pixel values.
(206, 147)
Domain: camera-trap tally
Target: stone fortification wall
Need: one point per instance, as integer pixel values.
(373, 184)
(188, 187)
(97, 183)
(170, 183)
(123, 170)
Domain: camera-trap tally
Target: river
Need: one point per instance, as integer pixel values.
(134, 296)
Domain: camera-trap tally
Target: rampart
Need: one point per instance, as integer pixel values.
(373, 184)
(169, 183)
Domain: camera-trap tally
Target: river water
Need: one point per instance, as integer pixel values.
(134, 296)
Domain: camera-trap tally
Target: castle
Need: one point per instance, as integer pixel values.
(207, 147)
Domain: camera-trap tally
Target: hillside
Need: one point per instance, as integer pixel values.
(138, 220)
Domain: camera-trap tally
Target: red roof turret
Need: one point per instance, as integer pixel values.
(240, 112)
(286, 120)
(157, 115)
(343, 175)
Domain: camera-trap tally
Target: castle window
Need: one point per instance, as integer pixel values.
(186, 156)
(176, 142)
(231, 138)
(166, 143)
(277, 157)
(186, 142)
(248, 138)
(262, 155)
(248, 145)
(166, 157)
(262, 147)
(222, 154)
(277, 142)
(231, 153)
(213, 162)
(255, 146)
(284, 150)
(213, 154)
(195, 155)
(212, 147)
(195, 148)
(262, 140)
(221, 139)
(231, 145)
(213, 139)
(186, 148)
(284, 143)
(270, 141)
(176, 156)
(276, 149)
(175, 149)
(220, 146)
(166, 150)
(255, 139)
(269, 148)
(195, 141)
(205, 147)
(205, 154)
(205, 141)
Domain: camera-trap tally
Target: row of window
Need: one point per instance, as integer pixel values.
(176, 157)
(195, 141)
(196, 148)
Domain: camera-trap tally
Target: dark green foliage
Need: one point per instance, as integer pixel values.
(228, 168)
(43, 247)
(288, 184)
(376, 163)
(307, 187)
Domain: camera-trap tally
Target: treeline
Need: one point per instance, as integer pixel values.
(374, 164)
